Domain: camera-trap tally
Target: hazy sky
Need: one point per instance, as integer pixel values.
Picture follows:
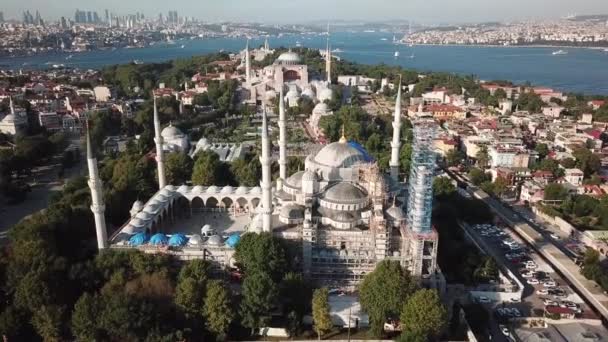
(283, 11)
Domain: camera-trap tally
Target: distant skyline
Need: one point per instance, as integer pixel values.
(286, 11)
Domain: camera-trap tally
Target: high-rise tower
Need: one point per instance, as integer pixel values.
(396, 143)
(266, 185)
(158, 139)
(97, 204)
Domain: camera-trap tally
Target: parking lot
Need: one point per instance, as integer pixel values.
(542, 286)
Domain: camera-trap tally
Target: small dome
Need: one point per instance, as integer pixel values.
(292, 212)
(295, 180)
(152, 208)
(144, 216)
(166, 192)
(309, 176)
(256, 190)
(183, 189)
(138, 223)
(321, 109)
(309, 93)
(292, 94)
(344, 192)
(129, 229)
(215, 240)
(195, 240)
(137, 206)
(289, 58)
(170, 187)
(326, 94)
(197, 189)
(241, 190)
(227, 190)
(343, 216)
(212, 189)
(395, 213)
(171, 132)
(202, 143)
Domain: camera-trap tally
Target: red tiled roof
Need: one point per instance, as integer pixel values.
(553, 309)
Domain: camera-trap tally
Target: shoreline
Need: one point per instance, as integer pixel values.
(600, 48)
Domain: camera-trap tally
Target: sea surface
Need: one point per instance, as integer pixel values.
(580, 70)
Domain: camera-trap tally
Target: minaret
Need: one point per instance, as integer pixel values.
(328, 62)
(266, 185)
(266, 45)
(158, 139)
(97, 205)
(247, 64)
(282, 138)
(396, 143)
(11, 105)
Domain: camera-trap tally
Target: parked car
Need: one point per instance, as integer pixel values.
(533, 281)
(542, 292)
(505, 331)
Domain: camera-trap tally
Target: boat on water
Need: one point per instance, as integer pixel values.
(69, 57)
(138, 62)
(559, 52)
(383, 39)
(370, 31)
(183, 46)
(298, 44)
(605, 50)
(337, 50)
(396, 54)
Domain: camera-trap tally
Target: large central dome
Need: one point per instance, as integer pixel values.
(341, 155)
(289, 58)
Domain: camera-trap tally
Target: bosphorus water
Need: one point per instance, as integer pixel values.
(580, 70)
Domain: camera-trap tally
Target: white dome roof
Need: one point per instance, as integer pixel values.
(212, 189)
(183, 189)
(241, 190)
(203, 142)
(295, 180)
(256, 190)
(292, 94)
(292, 212)
(326, 94)
(321, 109)
(195, 240)
(308, 92)
(215, 240)
(197, 189)
(289, 58)
(227, 189)
(137, 206)
(309, 176)
(340, 155)
(171, 132)
(395, 213)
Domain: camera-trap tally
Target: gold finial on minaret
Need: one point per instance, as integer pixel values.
(343, 138)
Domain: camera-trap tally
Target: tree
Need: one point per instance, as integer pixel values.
(568, 163)
(477, 176)
(454, 157)
(261, 253)
(218, 309)
(555, 192)
(405, 158)
(500, 186)
(542, 149)
(382, 291)
(178, 168)
(482, 156)
(423, 313)
(411, 336)
(588, 162)
(206, 169)
(320, 311)
(443, 187)
(259, 296)
(47, 321)
(84, 318)
(191, 286)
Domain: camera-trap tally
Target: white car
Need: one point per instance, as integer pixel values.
(542, 292)
(549, 283)
(548, 302)
(505, 331)
(531, 266)
(554, 236)
(528, 274)
(533, 281)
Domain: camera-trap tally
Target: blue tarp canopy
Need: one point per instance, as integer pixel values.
(361, 149)
(159, 239)
(178, 239)
(233, 240)
(138, 239)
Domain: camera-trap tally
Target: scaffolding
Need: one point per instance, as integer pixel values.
(420, 182)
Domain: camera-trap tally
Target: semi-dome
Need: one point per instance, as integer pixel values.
(343, 216)
(308, 92)
(289, 58)
(292, 212)
(340, 155)
(344, 192)
(309, 176)
(295, 180)
(171, 132)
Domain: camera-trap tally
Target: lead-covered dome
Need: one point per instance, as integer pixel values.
(340, 155)
(171, 132)
(289, 58)
(345, 192)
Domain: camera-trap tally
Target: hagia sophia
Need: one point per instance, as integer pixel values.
(344, 213)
